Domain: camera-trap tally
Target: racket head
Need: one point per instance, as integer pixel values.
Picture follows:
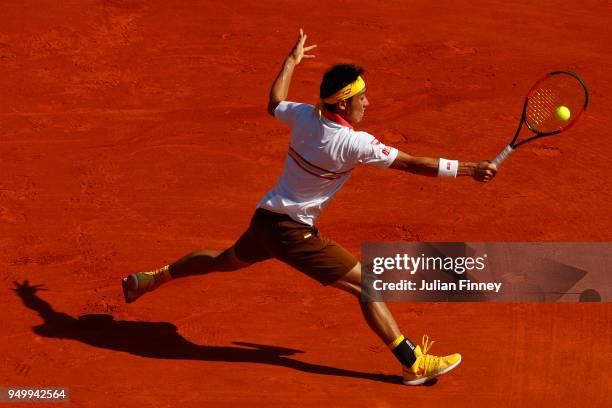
(563, 90)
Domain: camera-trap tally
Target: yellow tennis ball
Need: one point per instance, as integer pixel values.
(563, 113)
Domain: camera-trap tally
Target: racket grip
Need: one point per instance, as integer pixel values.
(503, 155)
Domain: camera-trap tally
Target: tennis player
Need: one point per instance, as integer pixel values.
(323, 150)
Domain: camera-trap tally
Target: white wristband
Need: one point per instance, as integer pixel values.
(448, 168)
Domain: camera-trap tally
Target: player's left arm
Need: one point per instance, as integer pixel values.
(280, 86)
(427, 166)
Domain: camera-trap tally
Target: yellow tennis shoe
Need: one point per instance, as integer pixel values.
(426, 366)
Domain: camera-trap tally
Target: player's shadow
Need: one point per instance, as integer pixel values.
(162, 340)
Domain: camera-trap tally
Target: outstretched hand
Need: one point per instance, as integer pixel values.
(485, 171)
(24, 289)
(299, 50)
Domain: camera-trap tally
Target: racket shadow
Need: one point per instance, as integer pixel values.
(162, 340)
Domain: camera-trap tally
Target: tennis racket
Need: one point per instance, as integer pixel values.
(553, 105)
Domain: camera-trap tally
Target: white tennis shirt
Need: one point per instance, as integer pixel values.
(322, 153)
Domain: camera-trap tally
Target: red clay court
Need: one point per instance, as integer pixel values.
(132, 132)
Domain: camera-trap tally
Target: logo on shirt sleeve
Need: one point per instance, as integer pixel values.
(386, 151)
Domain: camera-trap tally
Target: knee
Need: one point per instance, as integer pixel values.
(353, 276)
(228, 261)
(209, 253)
(351, 282)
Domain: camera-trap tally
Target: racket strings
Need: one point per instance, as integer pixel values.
(541, 107)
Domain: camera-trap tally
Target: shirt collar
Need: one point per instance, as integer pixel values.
(334, 117)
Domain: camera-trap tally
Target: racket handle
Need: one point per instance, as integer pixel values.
(503, 155)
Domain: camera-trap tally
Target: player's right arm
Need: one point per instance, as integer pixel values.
(280, 86)
(427, 166)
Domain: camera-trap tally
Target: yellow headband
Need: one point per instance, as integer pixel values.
(347, 92)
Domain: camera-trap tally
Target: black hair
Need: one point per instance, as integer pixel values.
(337, 78)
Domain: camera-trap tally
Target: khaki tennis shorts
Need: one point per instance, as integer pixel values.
(274, 235)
